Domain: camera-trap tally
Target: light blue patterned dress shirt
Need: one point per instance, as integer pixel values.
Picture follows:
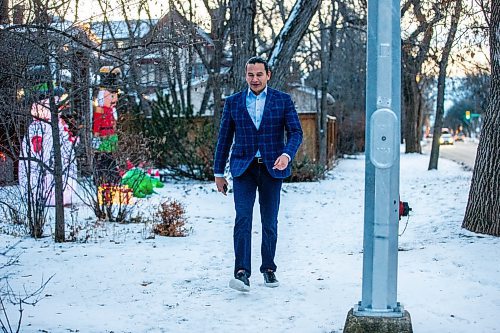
(255, 107)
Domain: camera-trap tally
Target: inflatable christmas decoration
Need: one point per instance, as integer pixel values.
(37, 155)
(104, 133)
(141, 183)
(104, 127)
(135, 183)
(115, 194)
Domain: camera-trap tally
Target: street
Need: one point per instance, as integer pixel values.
(461, 152)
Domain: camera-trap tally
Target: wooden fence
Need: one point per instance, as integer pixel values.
(310, 147)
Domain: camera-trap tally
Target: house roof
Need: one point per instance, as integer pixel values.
(148, 28)
(117, 30)
(175, 25)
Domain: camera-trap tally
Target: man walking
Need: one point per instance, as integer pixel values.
(256, 119)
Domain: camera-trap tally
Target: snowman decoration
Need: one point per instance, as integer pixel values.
(38, 157)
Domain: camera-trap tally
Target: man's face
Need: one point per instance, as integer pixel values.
(257, 77)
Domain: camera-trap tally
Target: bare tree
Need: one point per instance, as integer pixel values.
(328, 42)
(271, 15)
(213, 60)
(286, 43)
(415, 52)
(334, 57)
(42, 19)
(242, 39)
(219, 34)
(443, 65)
(482, 213)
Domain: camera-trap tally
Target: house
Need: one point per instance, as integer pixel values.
(156, 54)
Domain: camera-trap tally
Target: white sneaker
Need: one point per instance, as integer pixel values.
(240, 282)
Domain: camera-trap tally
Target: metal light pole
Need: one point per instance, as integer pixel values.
(383, 113)
(378, 308)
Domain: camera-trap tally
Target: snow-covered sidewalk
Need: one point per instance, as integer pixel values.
(120, 281)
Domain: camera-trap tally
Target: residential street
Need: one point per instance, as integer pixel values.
(461, 152)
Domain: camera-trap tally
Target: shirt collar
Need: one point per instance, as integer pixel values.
(264, 92)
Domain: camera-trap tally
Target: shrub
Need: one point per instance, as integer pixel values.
(179, 141)
(305, 170)
(171, 214)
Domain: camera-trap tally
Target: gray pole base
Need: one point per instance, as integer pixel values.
(365, 324)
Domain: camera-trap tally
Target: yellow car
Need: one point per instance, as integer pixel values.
(446, 139)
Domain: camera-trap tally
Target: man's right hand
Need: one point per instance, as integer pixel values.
(221, 183)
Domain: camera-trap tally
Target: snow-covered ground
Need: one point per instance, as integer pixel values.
(121, 281)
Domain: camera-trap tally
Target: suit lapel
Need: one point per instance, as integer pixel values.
(267, 107)
(243, 99)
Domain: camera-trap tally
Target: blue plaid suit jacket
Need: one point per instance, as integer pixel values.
(236, 125)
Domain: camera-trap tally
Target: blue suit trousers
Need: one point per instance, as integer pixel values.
(256, 177)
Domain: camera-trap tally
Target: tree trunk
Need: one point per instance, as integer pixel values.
(328, 40)
(443, 65)
(81, 99)
(213, 61)
(411, 97)
(58, 170)
(4, 12)
(189, 78)
(217, 92)
(216, 87)
(242, 39)
(288, 40)
(482, 214)
(178, 76)
(415, 51)
(59, 235)
(189, 70)
(324, 72)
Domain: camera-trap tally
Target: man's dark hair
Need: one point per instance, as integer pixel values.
(257, 60)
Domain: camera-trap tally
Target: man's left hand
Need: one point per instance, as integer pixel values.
(281, 162)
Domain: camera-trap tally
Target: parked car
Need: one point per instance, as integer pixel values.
(446, 139)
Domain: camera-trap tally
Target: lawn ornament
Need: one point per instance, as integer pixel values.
(115, 195)
(140, 182)
(37, 156)
(105, 138)
(104, 128)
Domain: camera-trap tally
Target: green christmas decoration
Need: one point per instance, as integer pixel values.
(140, 182)
(108, 144)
